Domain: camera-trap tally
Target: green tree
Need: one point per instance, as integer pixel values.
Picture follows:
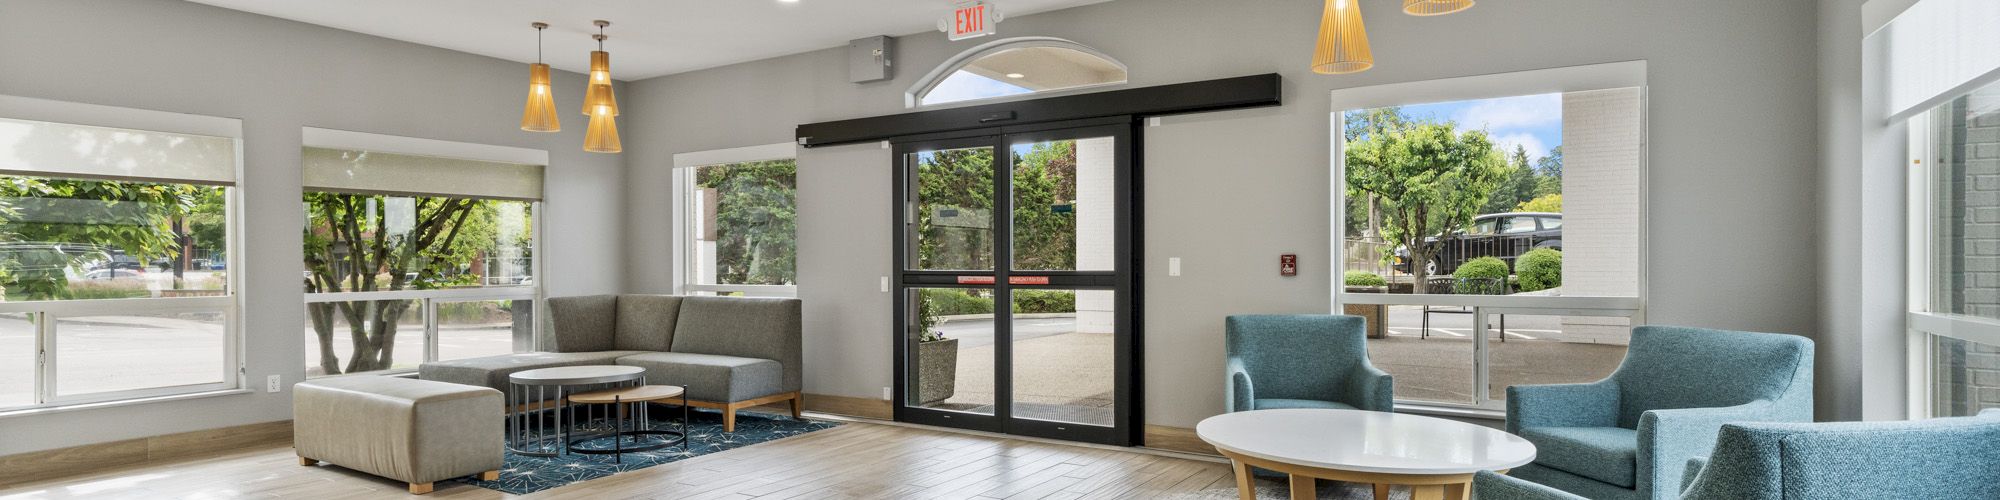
(358, 243)
(1428, 180)
(1362, 124)
(955, 210)
(1045, 179)
(756, 221)
(1544, 203)
(56, 225)
(1519, 186)
(1550, 169)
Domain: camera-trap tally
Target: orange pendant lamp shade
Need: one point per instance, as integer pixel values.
(1343, 41)
(540, 113)
(600, 103)
(1434, 7)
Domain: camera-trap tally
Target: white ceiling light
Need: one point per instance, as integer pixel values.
(1016, 75)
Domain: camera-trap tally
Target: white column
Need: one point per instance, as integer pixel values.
(1096, 228)
(1603, 145)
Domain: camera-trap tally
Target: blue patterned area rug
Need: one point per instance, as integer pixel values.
(524, 474)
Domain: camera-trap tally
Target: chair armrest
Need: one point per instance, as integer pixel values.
(1240, 393)
(1369, 388)
(1489, 485)
(1562, 405)
(1694, 467)
(1668, 439)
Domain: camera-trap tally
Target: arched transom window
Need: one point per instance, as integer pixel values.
(1015, 67)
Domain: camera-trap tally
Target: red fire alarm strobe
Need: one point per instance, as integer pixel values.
(1288, 265)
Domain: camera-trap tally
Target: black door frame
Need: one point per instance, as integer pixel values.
(1127, 412)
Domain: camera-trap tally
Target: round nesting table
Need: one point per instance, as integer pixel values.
(1434, 456)
(531, 407)
(631, 403)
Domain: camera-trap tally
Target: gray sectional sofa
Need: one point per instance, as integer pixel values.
(730, 353)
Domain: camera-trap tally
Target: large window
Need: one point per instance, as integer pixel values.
(1489, 227)
(115, 254)
(1956, 295)
(737, 232)
(413, 257)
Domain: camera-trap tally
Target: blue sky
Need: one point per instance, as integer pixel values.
(1534, 121)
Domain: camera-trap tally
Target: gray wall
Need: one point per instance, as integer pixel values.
(278, 76)
(1732, 216)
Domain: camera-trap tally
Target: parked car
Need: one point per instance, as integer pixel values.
(114, 274)
(1506, 236)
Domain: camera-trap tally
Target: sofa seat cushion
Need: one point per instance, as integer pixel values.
(1277, 403)
(1608, 454)
(710, 377)
(492, 371)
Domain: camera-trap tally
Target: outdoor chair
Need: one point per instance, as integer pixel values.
(1462, 286)
(1302, 361)
(1937, 458)
(1630, 435)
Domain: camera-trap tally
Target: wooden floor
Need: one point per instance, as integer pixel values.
(857, 460)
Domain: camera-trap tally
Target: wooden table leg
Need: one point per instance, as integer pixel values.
(1427, 492)
(1381, 491)
(1303, 487)
(1246, 487)
(1457, 491)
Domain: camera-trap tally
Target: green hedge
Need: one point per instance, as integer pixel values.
(953, 302)
(1483, 267)
(1540, 269)
(1044, 301)
(1364, 278)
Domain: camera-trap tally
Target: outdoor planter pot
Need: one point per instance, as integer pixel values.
(1376, 314)
(937, 370)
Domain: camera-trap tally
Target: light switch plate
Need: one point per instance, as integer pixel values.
(273, 383)
(888, 393)
(885, 283)
(1173, 266)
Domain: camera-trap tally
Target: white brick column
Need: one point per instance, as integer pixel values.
(1096, 228)
(1603, 148)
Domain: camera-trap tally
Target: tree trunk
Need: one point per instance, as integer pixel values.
(321, 315)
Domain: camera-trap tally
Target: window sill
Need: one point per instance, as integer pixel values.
(48, 410)
(1451, 411)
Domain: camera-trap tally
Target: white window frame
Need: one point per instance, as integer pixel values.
(1629, 74)
(684, 221)
(428, 300)
(47, 313)
(1925, 321)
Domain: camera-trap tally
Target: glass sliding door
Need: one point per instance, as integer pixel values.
(1015, 307)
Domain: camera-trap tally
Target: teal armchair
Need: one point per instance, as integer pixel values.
(1629, 436)
(1302, 361)
(1937, 458)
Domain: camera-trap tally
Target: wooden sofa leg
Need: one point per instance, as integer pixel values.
(307, 461)
(420, 488)
(729, 419)
(796, 402)
(491, 475)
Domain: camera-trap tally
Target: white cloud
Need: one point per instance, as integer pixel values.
(1512, 112)
(1506, 143)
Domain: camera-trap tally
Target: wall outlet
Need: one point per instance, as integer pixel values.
(888, 393)
(273, 383)
(1173, 266)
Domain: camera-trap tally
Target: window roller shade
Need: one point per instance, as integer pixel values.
(1936, 50)
(48, 149)
(391, 173)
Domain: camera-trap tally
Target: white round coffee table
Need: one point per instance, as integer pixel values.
(1434, 456)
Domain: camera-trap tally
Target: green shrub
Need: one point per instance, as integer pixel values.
(1540, 269)
(1473, 276)
(1365, 278)
(953, 302)
(1044, 301)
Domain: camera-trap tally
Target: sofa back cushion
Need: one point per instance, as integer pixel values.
(646, 322)
(582, 324)
(1668, 367)
(744, 327)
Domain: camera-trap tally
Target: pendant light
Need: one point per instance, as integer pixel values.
(1435, 7)
(539, 115)
(1343, 42)
(598, 101)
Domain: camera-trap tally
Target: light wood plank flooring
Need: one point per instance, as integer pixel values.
(857, 460)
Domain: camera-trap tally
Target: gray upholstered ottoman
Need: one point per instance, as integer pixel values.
(415, 431)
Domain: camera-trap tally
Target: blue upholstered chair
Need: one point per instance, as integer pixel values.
(1302, 361)
(1938, 458)
(1629, 436)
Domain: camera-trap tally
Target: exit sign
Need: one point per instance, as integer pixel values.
(970, 20)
